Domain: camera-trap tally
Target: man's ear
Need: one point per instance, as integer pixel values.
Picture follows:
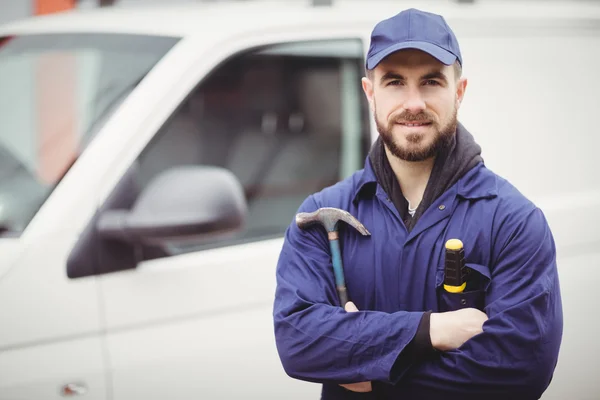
(461, 87)
(367, 86)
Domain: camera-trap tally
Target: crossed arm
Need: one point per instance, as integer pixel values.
(514, 355)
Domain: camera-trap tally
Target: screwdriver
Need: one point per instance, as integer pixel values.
(454, 267)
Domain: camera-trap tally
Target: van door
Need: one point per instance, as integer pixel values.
(57, 88)
(47, 349)
(195, 319)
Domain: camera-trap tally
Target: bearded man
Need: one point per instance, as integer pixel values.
(406, 334)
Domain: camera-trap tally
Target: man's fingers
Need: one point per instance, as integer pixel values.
(361, 387)
(350, 307)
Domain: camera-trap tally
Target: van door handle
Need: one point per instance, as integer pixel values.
(73, 389)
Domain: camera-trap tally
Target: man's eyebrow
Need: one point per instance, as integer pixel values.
(388, 76)
(435, 75)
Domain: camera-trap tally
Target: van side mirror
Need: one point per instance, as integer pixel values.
(180, 204)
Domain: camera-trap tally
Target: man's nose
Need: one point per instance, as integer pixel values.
(414, 101)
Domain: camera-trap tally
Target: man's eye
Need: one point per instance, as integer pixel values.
(394, 83)
(431, 82)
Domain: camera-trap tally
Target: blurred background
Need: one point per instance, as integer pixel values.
(16, 9)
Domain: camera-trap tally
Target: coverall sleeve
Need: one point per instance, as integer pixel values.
(317, 340)
(517, 352)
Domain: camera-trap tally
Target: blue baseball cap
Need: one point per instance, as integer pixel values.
(413, 29)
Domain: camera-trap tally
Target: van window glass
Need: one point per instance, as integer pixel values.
(287, 120)
(57, 89)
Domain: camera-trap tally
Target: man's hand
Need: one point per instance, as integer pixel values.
(361, 387)
(450, 330)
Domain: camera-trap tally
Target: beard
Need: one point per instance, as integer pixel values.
(417, 152)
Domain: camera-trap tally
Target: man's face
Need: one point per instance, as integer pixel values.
(415, 100)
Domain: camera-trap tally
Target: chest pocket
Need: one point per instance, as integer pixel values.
(473, 296)
(478, 275)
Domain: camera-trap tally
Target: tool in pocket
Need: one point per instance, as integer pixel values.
(464, 285)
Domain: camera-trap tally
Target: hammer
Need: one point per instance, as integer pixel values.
(329, 218)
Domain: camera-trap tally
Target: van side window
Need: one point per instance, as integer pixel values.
(287, 120)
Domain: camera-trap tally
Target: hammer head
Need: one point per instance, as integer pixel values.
(329, 218)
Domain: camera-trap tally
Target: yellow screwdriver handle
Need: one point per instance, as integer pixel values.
(454, 267)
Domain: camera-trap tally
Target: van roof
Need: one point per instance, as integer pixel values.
(189, 19)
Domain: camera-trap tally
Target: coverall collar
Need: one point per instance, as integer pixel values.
(472, 186)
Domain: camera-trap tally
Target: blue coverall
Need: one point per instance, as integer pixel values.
(393, 276)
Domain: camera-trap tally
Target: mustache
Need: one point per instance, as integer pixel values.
(406, 116)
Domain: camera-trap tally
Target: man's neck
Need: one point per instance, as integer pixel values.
(412, 176)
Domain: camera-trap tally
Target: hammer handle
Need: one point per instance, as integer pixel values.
(343, 295)
(338, 271)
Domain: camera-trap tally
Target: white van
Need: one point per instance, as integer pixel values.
(131, 269)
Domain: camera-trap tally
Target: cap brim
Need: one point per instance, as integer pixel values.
(445, 57)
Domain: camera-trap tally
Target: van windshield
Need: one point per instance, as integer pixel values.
(56, 92)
